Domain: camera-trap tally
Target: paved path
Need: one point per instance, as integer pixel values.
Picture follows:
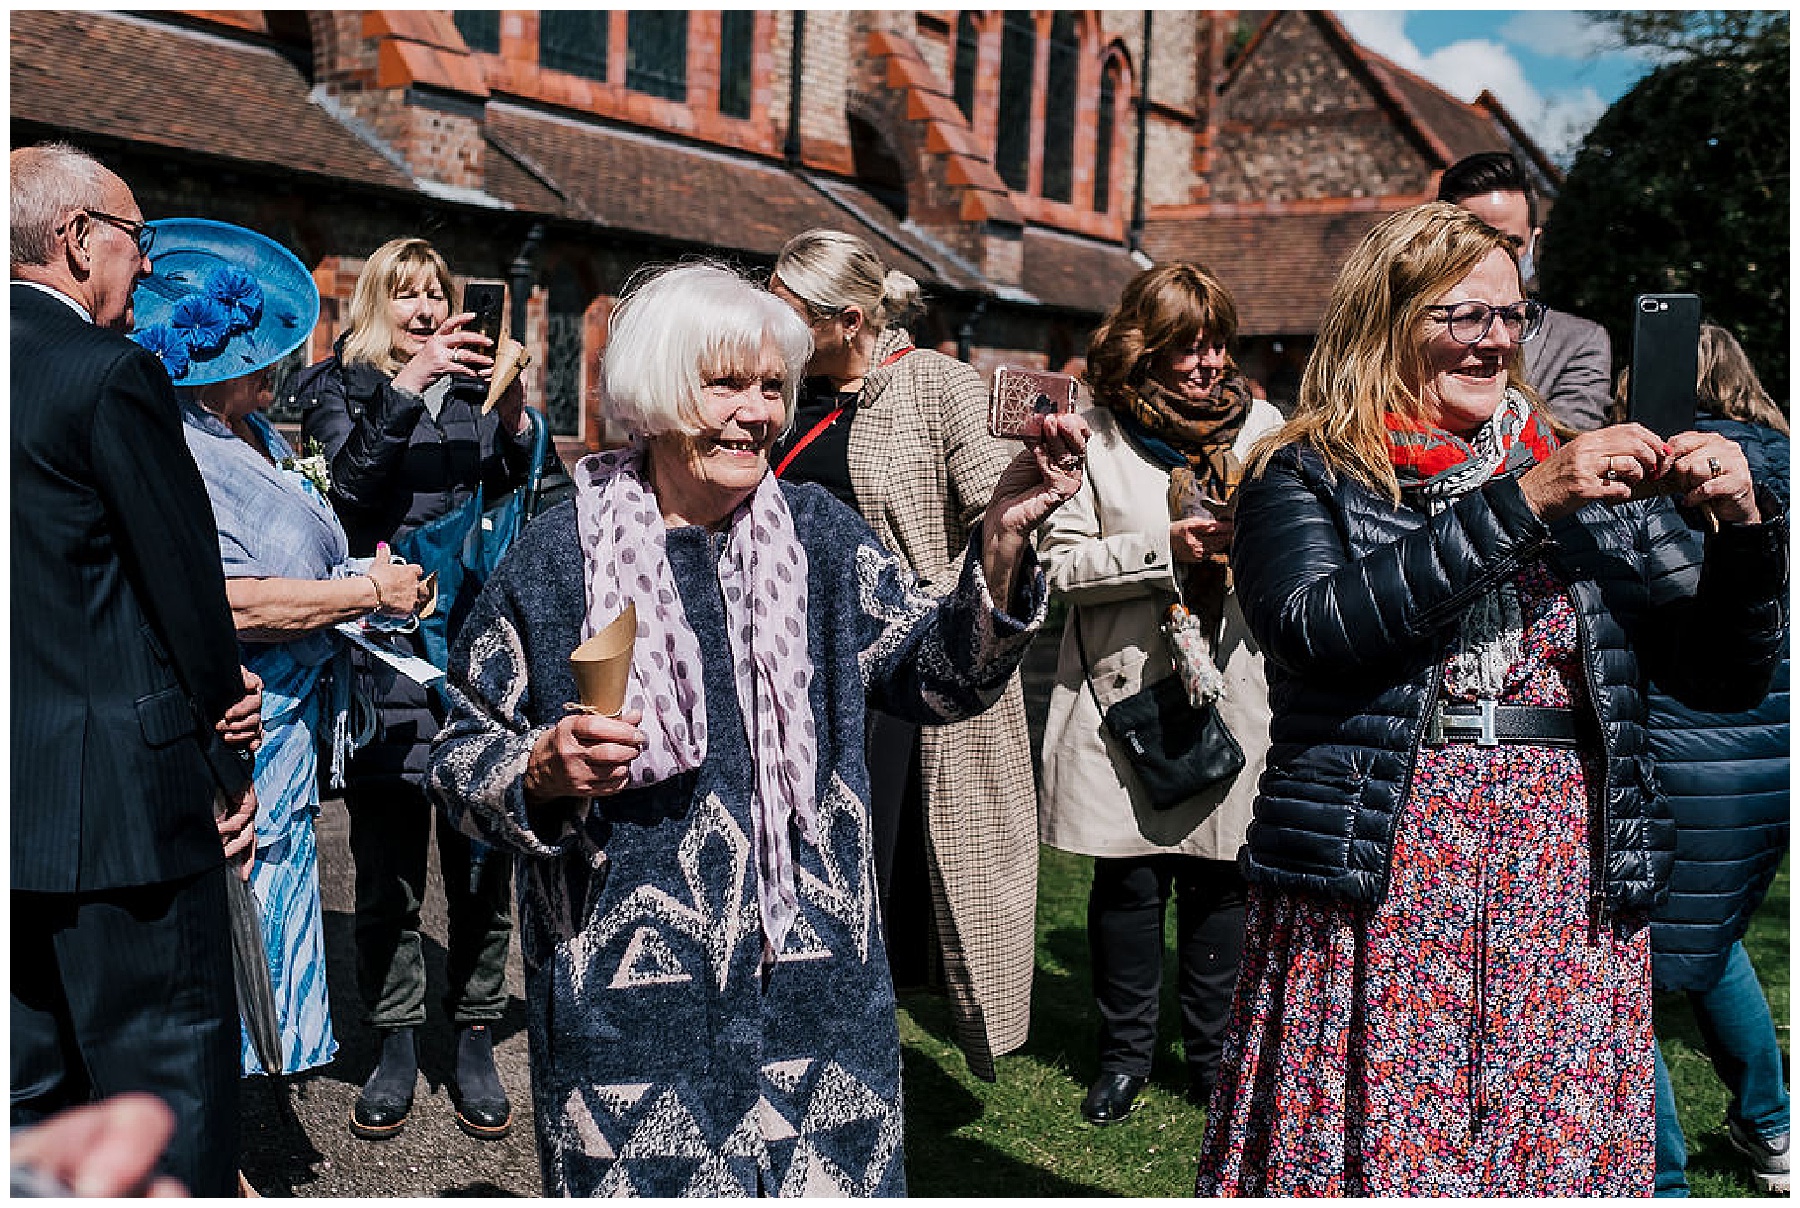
(297, 1137)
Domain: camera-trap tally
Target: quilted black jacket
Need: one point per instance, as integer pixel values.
(1726, 775)
(393, 466)
(1355, 602)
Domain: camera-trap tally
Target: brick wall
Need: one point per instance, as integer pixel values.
(834, 41)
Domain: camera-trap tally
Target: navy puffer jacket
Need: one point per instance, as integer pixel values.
(1726, 775)
(1355, 602)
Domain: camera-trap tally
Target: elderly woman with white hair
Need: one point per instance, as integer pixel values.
(707, 991)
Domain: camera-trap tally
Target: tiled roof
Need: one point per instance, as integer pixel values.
(648, 185)
(1279, 265)
(1461, 128)
(187, 91)
(1072, 273)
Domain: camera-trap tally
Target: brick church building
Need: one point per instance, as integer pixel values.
(1021, 165)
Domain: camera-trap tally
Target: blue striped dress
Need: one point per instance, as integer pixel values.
(273, 524)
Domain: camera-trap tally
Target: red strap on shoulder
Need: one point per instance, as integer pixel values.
(813, 433)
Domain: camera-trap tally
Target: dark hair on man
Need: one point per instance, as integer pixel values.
(1487, 172)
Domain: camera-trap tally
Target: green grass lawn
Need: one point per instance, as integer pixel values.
(1023, 1135)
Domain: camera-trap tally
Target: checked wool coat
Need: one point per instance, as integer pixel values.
(923, 465)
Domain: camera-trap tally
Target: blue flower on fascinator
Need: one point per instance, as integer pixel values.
(169, 347)
(239, 293)
(202, 322)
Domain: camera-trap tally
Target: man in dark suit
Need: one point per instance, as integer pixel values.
(130, 713)
(1569, 364)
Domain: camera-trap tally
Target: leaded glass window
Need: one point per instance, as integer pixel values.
(479, 27)
(1103, 140)
(968, 54)
(656, 53)
(736, 27)
(573, 40)
(563, 353)
(1018, 69)
(1059, 109)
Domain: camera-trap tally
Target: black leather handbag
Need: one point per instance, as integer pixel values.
(1176, 750)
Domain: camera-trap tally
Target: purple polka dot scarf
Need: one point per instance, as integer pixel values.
(762, 577)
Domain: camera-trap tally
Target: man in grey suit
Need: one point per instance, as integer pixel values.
(130, 713)
(1570, 362)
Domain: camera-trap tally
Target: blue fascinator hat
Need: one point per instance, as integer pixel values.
(221, 301)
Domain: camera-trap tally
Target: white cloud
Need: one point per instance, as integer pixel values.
(1382, 31)
(1561, 34)
(1557, 121)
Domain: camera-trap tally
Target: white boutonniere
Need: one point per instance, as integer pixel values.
(313, 467)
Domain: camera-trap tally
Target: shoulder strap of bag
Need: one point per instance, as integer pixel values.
(1087, 671)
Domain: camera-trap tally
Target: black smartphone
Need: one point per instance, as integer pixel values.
(1665, 361)
(486, 302)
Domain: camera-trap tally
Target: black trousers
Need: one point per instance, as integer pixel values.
(1125, 940)
(131, 990)
(390, 838)
(897, 826)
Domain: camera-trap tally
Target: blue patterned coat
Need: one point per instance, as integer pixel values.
(662, 1063)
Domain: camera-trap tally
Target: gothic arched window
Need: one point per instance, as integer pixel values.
(968, 54)
(1018, 71)
(1103, 138)
(1059, 108)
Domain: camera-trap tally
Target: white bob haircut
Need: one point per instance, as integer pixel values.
(675, 327)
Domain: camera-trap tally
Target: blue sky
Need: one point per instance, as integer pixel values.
(1546, 65)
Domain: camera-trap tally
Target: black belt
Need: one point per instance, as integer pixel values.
(1488, 724)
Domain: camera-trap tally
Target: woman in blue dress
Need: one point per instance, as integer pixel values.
(222, 305)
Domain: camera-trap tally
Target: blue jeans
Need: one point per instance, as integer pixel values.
(1733, 1017)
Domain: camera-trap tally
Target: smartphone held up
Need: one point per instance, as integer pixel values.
(1022, 397)
(487, 302)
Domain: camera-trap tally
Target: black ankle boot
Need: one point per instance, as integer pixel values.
(387, 1096)
(482, 1109)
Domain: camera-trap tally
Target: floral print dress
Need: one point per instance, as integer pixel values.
(1477, 1033)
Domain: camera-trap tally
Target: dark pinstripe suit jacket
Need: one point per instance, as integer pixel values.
(123, 652)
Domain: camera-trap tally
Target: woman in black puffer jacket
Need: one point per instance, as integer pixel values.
(1726, 775)
(397, 413)
(1458, 837)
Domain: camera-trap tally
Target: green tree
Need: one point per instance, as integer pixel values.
(1694, 33)
(1682, 186)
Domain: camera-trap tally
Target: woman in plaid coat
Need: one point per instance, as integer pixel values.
(900, 434)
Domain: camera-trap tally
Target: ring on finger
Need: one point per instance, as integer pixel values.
(1611, 474)
(1713, 468)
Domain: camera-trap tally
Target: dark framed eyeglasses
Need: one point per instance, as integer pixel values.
(142, 233)
(1469, 321)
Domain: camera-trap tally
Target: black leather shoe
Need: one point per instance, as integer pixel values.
(1111, 1098)
(482, 1109)
(386, 1099)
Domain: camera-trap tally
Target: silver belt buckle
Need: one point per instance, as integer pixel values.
(1489, 736)
(1483, 730)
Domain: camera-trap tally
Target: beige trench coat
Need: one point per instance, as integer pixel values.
(923, 465)
(1107, 552)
